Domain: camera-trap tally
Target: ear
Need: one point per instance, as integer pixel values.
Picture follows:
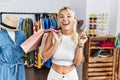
(75, 20)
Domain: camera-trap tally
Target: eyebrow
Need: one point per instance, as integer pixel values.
(67, 14)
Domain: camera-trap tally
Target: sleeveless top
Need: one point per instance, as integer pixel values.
(65, 52)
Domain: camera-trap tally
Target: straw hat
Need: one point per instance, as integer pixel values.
(9, 23)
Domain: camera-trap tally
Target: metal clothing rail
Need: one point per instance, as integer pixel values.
(26, 13)
(16, 13)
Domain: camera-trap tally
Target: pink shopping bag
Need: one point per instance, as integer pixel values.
(34, 41)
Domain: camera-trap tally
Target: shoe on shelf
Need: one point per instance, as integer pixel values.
(96, 53)
(103, 54)
(100, 53)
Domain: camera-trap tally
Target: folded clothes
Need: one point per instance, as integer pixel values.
(106, 44)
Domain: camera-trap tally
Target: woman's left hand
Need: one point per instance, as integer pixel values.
(82, 38)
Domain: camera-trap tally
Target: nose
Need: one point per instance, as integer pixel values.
(65, 18)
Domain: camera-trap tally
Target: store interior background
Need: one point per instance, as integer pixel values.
(82, 9)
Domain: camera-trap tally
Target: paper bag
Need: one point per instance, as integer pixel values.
(32, 42)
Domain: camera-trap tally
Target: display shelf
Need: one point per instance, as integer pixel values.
(100, 60)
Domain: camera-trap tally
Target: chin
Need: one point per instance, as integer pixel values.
(66, 27)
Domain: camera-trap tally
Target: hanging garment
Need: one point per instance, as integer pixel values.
(117, 44)
(11, 63)
(28, 30)
(52, 23)
(49, 23)
(20, 26)
(46, 23)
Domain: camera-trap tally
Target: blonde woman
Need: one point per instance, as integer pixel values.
(64, 48)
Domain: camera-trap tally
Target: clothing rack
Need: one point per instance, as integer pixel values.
(30, 13)
(24, 13)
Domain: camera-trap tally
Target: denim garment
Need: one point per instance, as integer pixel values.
(11, 63)
(46, 23)
(20, 26)
(52, 23)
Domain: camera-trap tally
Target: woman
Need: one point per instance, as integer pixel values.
(64, 48)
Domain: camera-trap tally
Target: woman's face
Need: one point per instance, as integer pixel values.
(66, 19)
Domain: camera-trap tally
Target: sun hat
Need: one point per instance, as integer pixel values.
(9, 23)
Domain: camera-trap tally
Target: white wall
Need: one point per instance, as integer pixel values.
(32, 5)
(98, 7)
(113, 17)
(118, 19)
(79, 6)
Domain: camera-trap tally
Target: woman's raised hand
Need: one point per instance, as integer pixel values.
(57, 36)
(82, 37)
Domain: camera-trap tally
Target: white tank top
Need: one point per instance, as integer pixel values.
(64, 54)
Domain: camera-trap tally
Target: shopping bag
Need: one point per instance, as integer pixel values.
(32, 42)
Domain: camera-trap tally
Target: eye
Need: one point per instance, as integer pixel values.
(69, 16)
(61, 16)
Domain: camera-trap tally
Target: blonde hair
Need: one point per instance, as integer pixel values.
(74, 34)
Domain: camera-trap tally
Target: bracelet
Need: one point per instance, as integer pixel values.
(80, 46)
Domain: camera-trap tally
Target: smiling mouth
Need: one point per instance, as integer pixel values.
(65, 24)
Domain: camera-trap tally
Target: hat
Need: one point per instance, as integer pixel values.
(9, 23)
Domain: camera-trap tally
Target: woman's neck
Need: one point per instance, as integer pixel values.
(66, 32)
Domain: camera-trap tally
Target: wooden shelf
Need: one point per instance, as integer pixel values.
(102, 48)
(99, 68)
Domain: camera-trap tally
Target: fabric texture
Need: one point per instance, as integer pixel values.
(11, 63)
(106, 44)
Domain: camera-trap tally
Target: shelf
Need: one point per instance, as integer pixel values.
(102, 48)
(93, 37)
(100, 61)
(100, 74)
(100, 64)
(100, 78)
(93, 60)
(105, 69)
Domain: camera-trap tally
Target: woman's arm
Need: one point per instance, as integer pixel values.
(79, 57)
(49, 47)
